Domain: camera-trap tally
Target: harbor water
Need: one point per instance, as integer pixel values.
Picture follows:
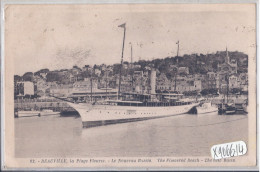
(183, 135)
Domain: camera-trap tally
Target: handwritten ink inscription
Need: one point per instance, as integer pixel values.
(228, 150)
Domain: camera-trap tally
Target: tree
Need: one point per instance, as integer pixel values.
(42, 71)
(116, 68)
(17, 78)
(28, 76)
(76, 67)
(53, 76)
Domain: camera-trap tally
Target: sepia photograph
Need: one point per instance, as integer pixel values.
(129, 85)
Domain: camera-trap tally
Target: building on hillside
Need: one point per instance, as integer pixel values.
(87, 68)
(229, 66)
(127, 84)
(137, 66)
(186, 86)
(41, 85)
(243, 78)
(75, 70)
(72, 78)
(225, 70)
(24, 88)
(125, 65)
(183, 70)
(85, 85)
(138, 81)
(109, 69)
(63, 90)
(51, 84)
(212, 80)
(233, 81)
(162, 83)
(103, 67)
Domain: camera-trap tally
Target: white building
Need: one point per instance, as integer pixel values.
(25, 88)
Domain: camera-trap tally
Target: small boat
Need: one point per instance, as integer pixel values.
(245, 109)
(245, 106)
(31, 113)
(28, 113)
(230, 110)
(206, 108)
(227, 109)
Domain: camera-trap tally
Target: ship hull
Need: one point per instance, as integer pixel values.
(201, 110)
(28, 113)
(49, 113)
(245, 108)
(96, 115)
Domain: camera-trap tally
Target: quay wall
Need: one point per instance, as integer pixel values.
(39, 104)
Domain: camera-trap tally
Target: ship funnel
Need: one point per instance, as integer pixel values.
(153, 81)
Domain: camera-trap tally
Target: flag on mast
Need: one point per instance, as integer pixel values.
(122, 25)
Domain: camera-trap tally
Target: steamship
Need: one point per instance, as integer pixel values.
(119, 111)
(133, 106)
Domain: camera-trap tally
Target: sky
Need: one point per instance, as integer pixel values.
(60, 36)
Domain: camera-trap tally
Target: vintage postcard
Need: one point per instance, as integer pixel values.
(129, 86)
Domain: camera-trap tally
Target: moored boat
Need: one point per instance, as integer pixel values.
(28, 113)
(245, 106)
(31, 113)
(227, 109)
(128, 111)
(206, 108)
(46, 112)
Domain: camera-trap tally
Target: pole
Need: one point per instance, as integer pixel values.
(178, 49)
(122, 57)
(142, 83)
(131, 56)
(106, 83)
(91, 87)
(227, 87)
(132, 67)
(177, 66)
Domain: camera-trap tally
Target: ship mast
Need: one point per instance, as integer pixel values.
(132, 67)
(91, 86)
(178, 48)
(122, 58)
(177, 66)
(227, 80)
(131, 56)
(106, 83)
